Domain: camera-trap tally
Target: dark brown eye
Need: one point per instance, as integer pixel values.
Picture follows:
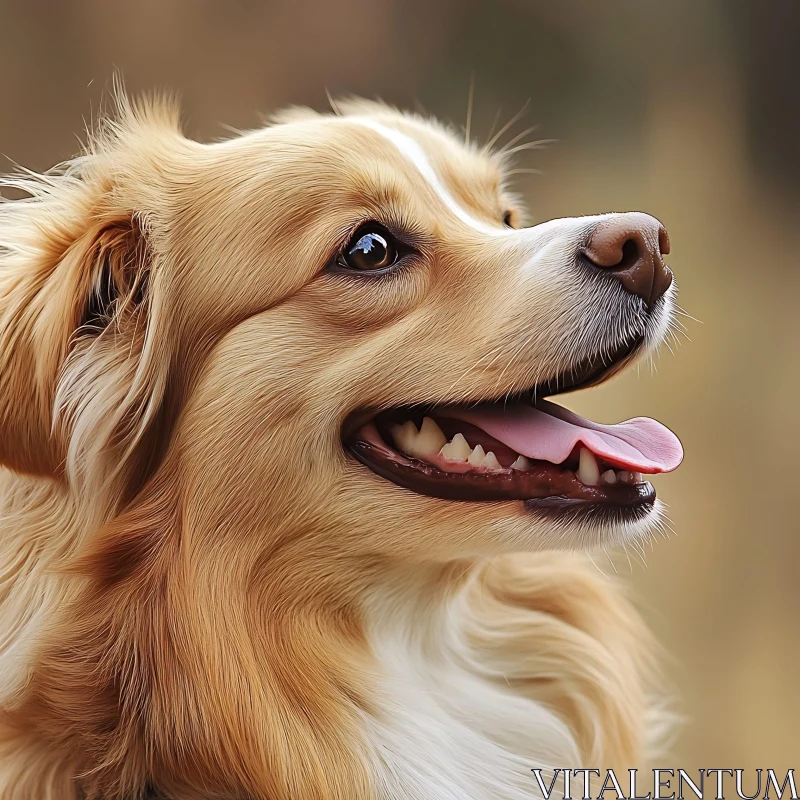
(371, 248)
(508, 219)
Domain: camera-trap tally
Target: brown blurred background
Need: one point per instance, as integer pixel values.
(688, 110)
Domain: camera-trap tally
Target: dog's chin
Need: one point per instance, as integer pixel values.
(579, 483)
(590, 526)
(583, 529)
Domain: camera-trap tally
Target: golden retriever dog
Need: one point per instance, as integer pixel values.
(285, 514)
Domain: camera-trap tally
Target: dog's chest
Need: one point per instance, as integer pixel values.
(452, 730)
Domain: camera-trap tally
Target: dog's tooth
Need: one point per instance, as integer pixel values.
(588, 471)
(624, 476)
(405, 437)
(609, 476)
(521, 464)
(490, 461)
(637, 477)
(457, 449)
(430, 438)
(476, 456)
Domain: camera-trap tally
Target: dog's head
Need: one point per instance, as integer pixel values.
(259, 377)
(332, 330)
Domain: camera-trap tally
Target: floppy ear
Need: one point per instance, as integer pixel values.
(72, 334)
(80, 377)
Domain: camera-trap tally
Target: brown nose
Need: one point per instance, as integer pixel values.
(630, 247)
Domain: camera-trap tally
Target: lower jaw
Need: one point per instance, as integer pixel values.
(546, 488)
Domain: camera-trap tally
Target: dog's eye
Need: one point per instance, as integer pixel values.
(508, 219)
(371, 248)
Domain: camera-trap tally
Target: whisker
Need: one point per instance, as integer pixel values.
(594, 564)
(639, 548)
(231, 129)
(684, 313)
(508, 124)
(469, 108)
(539, 144)
(495, 121)
(521, 135)
(610, 560)
(628, 556)
(332, 103)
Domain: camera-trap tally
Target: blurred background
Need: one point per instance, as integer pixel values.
(688, 110)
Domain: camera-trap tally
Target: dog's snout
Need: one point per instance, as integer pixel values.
(631, 248)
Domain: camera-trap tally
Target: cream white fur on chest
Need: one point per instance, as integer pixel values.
(451, 727)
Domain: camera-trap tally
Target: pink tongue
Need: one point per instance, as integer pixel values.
(550, 433)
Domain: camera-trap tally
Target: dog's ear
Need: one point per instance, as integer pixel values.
(81, 373)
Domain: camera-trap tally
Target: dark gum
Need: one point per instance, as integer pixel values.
(545, 485)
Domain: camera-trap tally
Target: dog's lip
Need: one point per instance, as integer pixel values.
(590, 371)
(544, 486)
(587, 373)
(356, 420)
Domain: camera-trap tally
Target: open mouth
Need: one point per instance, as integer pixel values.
(521, 449)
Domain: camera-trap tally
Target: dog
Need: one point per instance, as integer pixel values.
(286, 513)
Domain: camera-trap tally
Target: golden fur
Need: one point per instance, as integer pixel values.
(201, 595)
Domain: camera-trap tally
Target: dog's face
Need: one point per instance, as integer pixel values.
(412, 295)
(314, 291)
